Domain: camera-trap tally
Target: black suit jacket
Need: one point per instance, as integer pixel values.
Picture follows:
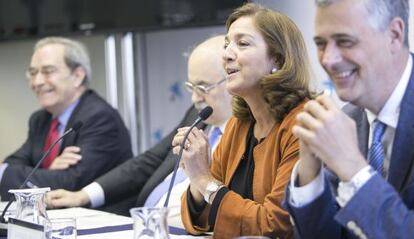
(103, 139)
(129, 184)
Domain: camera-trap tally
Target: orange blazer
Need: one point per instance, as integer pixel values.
(274, 159)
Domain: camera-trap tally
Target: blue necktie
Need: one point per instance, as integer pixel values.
(214, 135)
(162, 188)
(376, 153)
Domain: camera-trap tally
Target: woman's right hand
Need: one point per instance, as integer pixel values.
(195, 159)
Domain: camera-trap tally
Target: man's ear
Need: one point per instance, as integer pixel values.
(79, 76)
(396, 30)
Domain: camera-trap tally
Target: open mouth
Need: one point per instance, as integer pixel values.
(344, 74)
(343, 78)
(44, 91)
(231, 71)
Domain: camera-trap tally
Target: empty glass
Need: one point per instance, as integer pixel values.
(60, 228)
(31, 205)
(150, 222)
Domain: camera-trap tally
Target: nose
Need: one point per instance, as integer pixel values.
(330, 55)
(229, 54)
(37, 80)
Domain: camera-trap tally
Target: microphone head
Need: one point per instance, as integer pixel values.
(77, 125)
(205, 113)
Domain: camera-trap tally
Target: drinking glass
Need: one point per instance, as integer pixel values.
(60, 228)
(150, 222)
(30, 204)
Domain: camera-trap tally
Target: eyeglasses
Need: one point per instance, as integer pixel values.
(46, 71)
(201, 88)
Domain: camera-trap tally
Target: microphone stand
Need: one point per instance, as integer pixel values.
(203, 115)
(177, 162)
(75, 127)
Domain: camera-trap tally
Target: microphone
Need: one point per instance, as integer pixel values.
(203, 115)
(74, 128)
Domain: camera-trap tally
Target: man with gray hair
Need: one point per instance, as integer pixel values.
(366, 187)
(59, 75)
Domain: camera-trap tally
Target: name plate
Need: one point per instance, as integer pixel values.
(18, 229)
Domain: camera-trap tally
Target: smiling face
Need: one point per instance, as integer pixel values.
(55, 86)
(354, 54)
(246, 58)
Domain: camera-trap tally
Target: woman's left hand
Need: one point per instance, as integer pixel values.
(195, 158)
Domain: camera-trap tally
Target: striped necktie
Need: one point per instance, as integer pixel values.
(376, 153)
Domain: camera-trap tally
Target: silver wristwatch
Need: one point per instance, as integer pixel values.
(211, 188)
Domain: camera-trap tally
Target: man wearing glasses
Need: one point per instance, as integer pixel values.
(201, 88)
(59, 75)
(144, 180)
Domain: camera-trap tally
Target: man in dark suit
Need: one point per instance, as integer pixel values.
(362, 193)
(133, 182)
(59, 75)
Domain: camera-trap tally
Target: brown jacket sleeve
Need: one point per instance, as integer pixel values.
(274, 159)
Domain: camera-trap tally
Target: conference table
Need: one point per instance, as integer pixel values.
(94, 224)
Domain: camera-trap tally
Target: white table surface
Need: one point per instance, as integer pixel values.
(89, 219)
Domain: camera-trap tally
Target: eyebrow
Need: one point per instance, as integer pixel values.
(42, 67)
(336, 36)
(239, 35)
(199, 83)
(318, 38)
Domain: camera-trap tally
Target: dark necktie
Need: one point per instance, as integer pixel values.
(52, 136)
(376, 152)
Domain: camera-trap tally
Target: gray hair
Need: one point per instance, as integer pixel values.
(381, 13)
(76, 54)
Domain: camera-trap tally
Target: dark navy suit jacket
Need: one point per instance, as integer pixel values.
(131, 183)
(103, 139)
(380, 209)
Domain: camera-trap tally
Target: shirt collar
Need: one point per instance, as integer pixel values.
(64, 117)
(390, 113)
(221, 127)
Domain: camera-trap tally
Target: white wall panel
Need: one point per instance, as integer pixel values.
(167, 53)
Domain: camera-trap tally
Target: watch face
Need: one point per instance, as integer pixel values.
(210, 189)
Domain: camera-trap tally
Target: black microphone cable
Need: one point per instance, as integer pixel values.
(203, 115)
(75, 127)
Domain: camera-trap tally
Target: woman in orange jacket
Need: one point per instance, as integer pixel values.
(268, 73)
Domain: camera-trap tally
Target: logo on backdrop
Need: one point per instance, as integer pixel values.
(176, 92)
